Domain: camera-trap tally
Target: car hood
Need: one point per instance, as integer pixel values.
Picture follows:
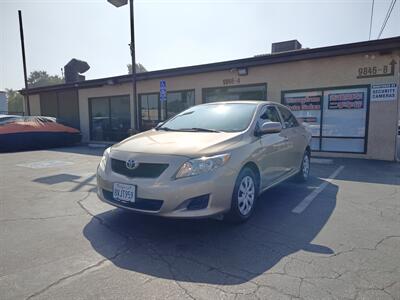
(190, 144)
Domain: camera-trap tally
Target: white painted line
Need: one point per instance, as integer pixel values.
(307, 200)
(43, 164)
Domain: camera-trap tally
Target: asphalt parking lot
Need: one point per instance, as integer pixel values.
(336, 237)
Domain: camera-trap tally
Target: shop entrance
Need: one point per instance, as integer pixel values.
(110, 118)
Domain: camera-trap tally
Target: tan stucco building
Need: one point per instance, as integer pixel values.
(348, 94)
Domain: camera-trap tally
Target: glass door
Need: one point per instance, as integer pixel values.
(120, 118)
(99, 119)
(149, 111)
(110, 118)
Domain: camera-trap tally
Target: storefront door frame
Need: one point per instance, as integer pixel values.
(109, 112)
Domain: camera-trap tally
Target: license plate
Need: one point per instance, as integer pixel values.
(124, 192)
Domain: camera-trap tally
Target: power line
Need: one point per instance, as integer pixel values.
(387, 17)
(370, 22)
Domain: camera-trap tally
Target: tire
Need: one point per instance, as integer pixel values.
(244, 196)
(304, 173)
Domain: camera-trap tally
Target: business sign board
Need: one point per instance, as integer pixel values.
(384, 92)
(346, 101)
(303, 103)
(306, 106)
(163, 91)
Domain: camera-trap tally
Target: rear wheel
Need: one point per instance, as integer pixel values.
(304, 172)
(244, 196)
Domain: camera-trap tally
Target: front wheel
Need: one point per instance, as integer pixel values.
(304, 172)
(244, 196)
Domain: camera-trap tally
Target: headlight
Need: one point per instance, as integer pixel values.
(202, 165)
(104, 159)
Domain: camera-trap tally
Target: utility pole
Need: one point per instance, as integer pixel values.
(21, 32)
(133, 56)
(119, 3)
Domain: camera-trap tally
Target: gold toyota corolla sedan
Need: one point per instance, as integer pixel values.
(209, 160)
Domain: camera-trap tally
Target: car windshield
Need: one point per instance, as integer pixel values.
(228, 117)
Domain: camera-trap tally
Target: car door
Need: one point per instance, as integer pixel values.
(273, 148)
(295, 140)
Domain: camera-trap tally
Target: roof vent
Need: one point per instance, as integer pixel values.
(285, 46)
(73, 69)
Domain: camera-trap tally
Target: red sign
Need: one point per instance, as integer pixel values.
(346, 101)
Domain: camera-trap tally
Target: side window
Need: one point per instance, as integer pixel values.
(288, 118)
(270, 114)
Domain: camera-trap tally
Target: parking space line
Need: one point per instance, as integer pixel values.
(307, 200)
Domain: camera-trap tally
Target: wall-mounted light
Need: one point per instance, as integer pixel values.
(242, 71)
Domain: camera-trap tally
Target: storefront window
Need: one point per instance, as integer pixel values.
(336, 117)
(247, 92)
(154, 111)
(109, 118)
(344, 120)
(179, 101)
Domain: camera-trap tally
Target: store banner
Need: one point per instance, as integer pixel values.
(306, 106)
(384, 92)
(303, 103)
(346, 101)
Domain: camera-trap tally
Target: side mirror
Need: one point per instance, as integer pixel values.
(269, 127)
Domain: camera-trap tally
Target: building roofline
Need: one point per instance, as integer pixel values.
(283, 57)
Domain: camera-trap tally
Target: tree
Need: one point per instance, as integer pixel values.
(41, 78)
(15, 101)
(139, 68)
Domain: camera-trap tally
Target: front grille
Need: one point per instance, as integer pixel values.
(144, 170)
(140, 203)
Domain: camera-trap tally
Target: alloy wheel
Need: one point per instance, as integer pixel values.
(246, 195)
(306, 166)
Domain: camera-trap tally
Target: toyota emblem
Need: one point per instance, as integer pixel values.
(130, 164)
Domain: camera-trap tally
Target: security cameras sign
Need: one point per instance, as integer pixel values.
(163, 91)
(384, 92)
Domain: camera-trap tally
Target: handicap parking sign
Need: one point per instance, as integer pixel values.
(163, 90)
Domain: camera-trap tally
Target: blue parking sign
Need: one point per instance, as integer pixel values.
(163, 90)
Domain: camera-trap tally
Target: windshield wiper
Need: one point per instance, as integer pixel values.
(164, 128)
(198, 129)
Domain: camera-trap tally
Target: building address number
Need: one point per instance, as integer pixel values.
(377, 71)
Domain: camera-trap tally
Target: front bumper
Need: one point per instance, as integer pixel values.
(167, 197)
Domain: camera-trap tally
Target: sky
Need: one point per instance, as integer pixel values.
(174, 33)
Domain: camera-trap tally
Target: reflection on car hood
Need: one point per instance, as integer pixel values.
(191, 144)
